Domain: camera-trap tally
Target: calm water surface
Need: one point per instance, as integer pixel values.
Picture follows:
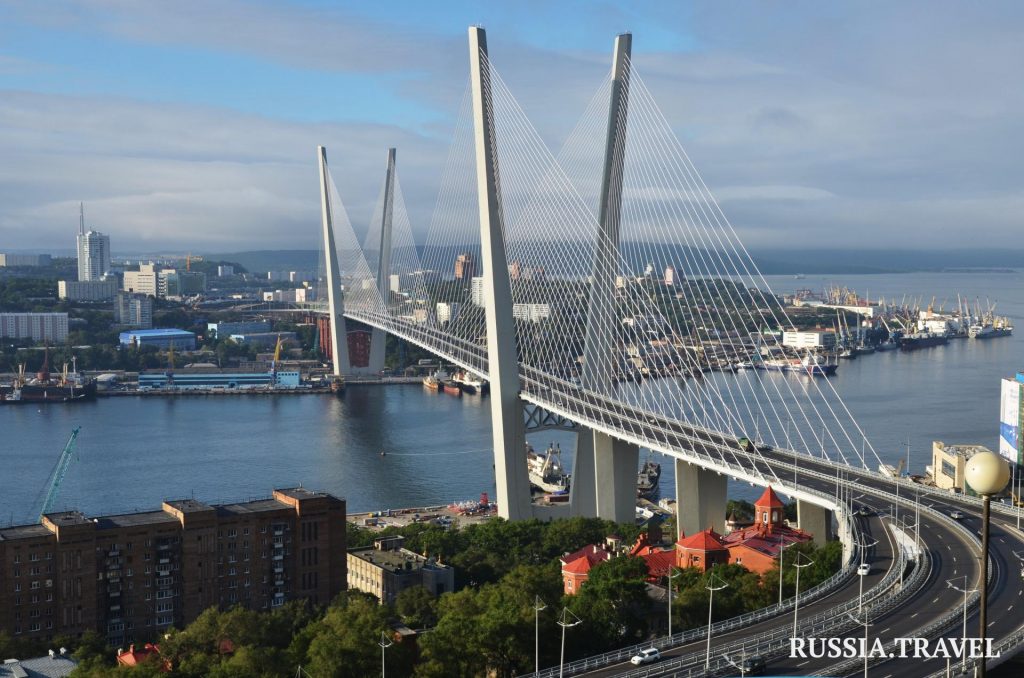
(134, 452)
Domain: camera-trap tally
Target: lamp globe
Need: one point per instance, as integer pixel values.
(987, 473)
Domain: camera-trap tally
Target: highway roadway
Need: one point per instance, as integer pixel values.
(952, 555)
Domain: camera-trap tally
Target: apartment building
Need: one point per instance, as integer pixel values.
(131, 576)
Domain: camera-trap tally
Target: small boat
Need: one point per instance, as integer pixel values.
(452, 388)
(435, 381)
(647, 479)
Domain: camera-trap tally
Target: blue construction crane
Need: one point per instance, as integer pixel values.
(57, 475)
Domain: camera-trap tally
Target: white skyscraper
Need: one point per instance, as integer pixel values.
(93, 251)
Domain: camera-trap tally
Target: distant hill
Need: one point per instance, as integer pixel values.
(259, 261)
(770, 261)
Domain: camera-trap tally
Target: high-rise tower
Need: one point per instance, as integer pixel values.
(93, 251)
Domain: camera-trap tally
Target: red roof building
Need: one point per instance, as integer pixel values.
(757, 547)
(576, 566)
(703, 550)
(135, 657)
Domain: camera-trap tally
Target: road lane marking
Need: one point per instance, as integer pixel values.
(802, 663)
(948, 547)
(936, 600)
(1009, 608)
(884, 630)
(914, 615)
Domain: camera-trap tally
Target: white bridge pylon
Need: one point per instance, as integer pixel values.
(625, 313)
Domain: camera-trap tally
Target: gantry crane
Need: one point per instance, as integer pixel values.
(59, 470)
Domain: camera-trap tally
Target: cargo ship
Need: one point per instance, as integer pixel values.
(65, 388)
(912, 342)
(546, 472)
(989, 330)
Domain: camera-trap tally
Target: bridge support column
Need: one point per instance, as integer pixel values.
(378, 339)
(816, 520)
(583, 489)
(508, 435)
(700, 499)
(615, 463)
(335, 302)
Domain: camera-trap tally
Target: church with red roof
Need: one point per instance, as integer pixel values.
(756, 547)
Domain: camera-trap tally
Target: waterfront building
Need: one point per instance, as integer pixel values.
(162, 338)
(87, 290)
(949, 462)
(133, 310)
(93, 254)
(808, 339)
(34, 260)
(46, 327)
(206, 378)
(1011, 419)
(225, 271)
(135, 575)
(386, 569)
(226, 329)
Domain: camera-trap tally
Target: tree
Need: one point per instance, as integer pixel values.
(613, 605)
(345, 641)
(416, 606)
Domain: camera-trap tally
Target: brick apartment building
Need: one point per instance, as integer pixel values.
(132, 576)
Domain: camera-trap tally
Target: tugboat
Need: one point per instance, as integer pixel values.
(435, 381)
(453, 388)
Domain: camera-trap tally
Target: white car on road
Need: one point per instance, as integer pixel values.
(647, 656)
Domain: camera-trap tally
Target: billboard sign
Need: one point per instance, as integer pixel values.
(1009, 420)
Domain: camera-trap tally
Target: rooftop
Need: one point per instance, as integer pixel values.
(188, 505)
(395, 559)
(160, 332)
(56, 666)
(135, 519)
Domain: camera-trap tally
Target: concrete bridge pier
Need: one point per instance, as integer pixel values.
(700, 499)
(583, 489)
(615, 463)
(816, 520)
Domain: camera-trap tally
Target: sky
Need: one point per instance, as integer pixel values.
(192, 125)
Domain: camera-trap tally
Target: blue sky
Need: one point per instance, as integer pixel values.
(191, 125)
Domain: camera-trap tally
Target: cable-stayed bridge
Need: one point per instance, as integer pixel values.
(603, 290)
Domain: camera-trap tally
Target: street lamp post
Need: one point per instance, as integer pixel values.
(965, 591)
(782, 547)
(710, 586)
(670, 578)
(863, 552)
(384, 643)
(538, 606)
(565, 623)
(796, 601)
(987, 474)
(866, 625)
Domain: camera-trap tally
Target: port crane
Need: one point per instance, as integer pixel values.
(58, 473)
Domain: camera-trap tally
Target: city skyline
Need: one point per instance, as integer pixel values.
(844, 127)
